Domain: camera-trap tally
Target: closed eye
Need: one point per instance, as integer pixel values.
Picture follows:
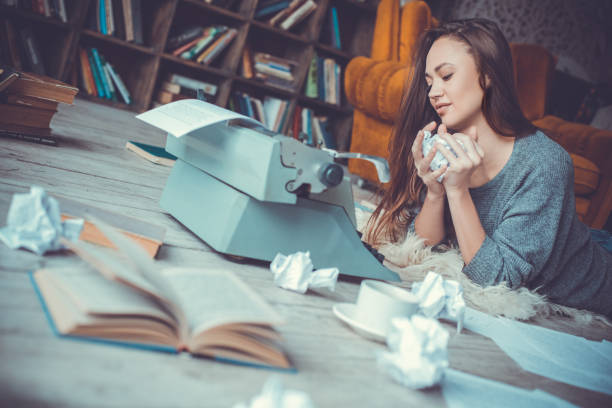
(447, 77)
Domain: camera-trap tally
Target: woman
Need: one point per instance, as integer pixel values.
(507, 194)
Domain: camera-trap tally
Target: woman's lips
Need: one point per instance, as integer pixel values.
(442, 109)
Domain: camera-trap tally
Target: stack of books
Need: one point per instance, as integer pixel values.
(311, 129)
(177, 87)
(324, 81)
(284, 14)
(200, 44)
(119, 18)
(47, 8)
(271, 70)
(100, 78)
(28, 102)
(271, 112)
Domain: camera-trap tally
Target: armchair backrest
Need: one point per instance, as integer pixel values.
(395, 32)
(533, 68)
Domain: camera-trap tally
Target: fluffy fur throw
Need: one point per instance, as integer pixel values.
(411, 259)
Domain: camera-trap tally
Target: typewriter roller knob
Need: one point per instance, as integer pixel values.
(331, 174)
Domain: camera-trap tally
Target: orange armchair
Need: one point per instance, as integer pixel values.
(374, 86)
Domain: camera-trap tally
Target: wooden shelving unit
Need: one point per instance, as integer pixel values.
(144, 67)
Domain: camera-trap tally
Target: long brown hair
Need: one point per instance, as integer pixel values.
(500, 106)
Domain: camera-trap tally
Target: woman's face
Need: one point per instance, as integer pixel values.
(455, 92)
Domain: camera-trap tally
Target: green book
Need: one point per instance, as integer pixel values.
(155, 154)
(311, 80)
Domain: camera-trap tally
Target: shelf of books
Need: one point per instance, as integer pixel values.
(270, 59)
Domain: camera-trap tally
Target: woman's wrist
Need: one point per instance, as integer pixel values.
(434, 196)
(457, 194)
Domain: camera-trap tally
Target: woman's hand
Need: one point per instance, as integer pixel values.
(422, 163)
(461, 166)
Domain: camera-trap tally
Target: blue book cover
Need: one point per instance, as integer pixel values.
(98, 63)
(102, 15)
(96, 74)
(272, 8)
(336, 35)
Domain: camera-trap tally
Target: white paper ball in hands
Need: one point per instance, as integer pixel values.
(438, 160)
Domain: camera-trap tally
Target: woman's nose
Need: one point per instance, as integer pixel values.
(435, 90)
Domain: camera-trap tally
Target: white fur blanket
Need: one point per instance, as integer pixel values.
(412, 260)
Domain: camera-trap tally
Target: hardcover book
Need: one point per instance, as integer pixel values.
(206, 312)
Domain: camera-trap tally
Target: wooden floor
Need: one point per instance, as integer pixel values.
(335, 366)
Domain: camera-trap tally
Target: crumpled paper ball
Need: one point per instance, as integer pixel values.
(295, 272)
(440, 298)
(34, 223)
(418, 352)
(438, 160)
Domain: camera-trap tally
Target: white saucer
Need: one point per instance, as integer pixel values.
(346, 311)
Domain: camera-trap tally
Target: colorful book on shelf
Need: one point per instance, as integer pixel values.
(123, 90)
(209, 36)
(184, 36)
(101, 16)
(298, 15)
(154, 154)
(128, 20)
(284, 13)
(247, 63)
(194, 84)
(96, 75)
(311, 79)
(86, 73)
(108, 79)
(207, 312)
(335, 28)
(110, 17)
(265, 9)
(217, 47)
(137, 21)
(328, 137)
(101, 75)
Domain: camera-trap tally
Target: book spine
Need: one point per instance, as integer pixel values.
(220, 45)
(311, 79)
(184, 37)
(199, 47)
(110, 17)
(321, 78)
(86, 73)
(63, 15)
(193, 84)
(102, 16)
(125, 94)
(273, 8)
(298, 15)
(336, 27)
(128, 20)
(96, 75)
(247, 63)
(137, 21)
(109, 81)
(30, 138)
(98, 62)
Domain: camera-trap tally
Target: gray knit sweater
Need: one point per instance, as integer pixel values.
(534, 237)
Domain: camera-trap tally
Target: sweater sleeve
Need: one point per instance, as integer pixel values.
(519, 247)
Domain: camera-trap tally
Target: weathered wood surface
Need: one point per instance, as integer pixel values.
(335, 366)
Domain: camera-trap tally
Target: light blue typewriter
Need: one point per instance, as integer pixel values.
(252, 193)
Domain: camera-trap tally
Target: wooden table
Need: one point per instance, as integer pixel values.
(335, 366)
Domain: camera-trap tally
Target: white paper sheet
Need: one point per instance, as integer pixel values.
(462, 390)
(559, 356)
(184, 116)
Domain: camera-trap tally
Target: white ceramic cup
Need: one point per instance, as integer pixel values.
(379, 302)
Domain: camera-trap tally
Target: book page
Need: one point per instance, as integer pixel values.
(184, 116)
(213, 297)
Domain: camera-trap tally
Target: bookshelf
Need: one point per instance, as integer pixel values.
(143, 67)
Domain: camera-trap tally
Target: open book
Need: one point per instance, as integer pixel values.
(127, 301)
